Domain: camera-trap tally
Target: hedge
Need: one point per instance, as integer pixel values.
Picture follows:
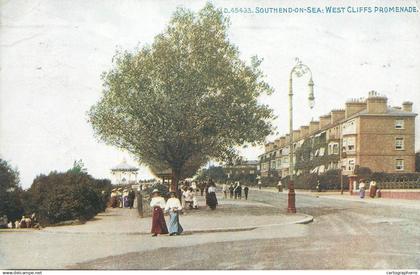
(66, 196)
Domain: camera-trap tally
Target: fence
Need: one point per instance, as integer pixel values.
(409, 184)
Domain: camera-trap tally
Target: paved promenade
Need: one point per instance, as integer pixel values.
(119, 231)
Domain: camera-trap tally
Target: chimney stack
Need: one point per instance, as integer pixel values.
(304, 131)
(282, 141)
(337, 115)
(354, 106)
(296, 135)
(407, 106)
(287, 139)
(313, 127)
(376, 104)
(324, 121)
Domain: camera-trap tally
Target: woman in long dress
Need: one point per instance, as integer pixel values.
(211, 196)
(158, 220)
(114, 198)
(173, 207)
(362, 189)
(372, 189)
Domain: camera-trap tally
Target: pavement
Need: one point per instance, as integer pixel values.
(230, 215)
(345, 233)
(336, 195)
(118, 231)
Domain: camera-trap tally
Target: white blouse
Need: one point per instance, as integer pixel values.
(212, 189)
(173, 203)
(157, 201)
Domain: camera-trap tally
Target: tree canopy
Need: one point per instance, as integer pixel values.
(10, 191)
(184, 99)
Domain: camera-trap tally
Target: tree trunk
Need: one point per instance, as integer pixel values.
(176, 174)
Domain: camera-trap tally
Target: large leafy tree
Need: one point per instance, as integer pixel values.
(215, 173)
(10, 191)
(185, 99)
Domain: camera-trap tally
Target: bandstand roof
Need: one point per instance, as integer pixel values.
(124, 166)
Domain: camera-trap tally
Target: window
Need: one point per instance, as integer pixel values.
(399, 164)
(335, 149)
(399, 143)
(351, 143)
(351, 165)
(399, 124)
(273, 164)
(251, 171)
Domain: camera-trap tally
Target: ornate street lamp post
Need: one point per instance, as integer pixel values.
(298, 70)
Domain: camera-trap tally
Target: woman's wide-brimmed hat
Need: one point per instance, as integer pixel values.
(155, 191)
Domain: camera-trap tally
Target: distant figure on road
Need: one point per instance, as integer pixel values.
(126, 202)
(120, 197)
(173, 207)
(259, 185)
(280, 186)
(246, 189)
(231, 188)
(224, 189)
(238, 191)
(158, 220)
(372, 189)
(202, 186)
(131, 197)
(188, 197)
(211, 198)
(362, 189)
(114, 198)
(318, 187)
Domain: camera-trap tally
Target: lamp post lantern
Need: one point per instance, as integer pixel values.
(298, 70)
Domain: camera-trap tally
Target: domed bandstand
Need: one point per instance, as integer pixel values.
(124, 173)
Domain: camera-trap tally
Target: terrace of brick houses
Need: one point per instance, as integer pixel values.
(366, 133)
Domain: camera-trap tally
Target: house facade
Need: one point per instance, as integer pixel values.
(366, 133)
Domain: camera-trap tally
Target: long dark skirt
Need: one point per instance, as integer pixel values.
(114, 202)
(174, 225)
(158, 222)
(211, 200)
(372, 192)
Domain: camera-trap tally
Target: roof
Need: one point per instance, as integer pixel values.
(245, 163)
(124, 166)
(390, 112)
(251, 162)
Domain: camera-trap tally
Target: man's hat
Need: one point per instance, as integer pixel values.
(155, 191)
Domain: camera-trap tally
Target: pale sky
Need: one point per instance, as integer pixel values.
(53, 52)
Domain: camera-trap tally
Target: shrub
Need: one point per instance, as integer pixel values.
(330, 180)
(270, 181)
(66, 196)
